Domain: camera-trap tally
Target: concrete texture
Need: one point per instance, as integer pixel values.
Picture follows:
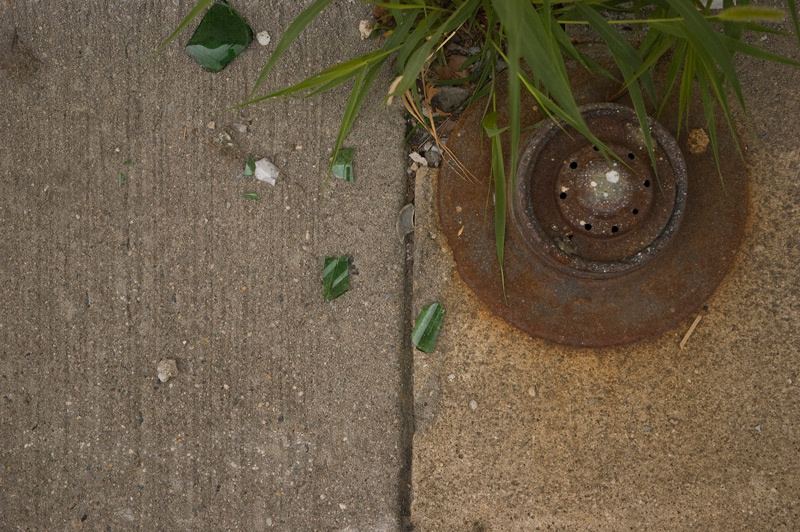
(514, 433)
(287, 413)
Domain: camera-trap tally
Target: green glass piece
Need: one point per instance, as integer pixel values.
(426, 329)
(250, 166)
(335, 277)
(252, 196)
(343, 164)
(219, 38)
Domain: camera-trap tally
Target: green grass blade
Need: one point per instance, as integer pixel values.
(543, 57)
(623, 52)
(417, 59)
(499, 173)
(705, 40)
(712, 79)
(708, 108)
(685, 93)
(754, 51)
(514, 104)
(193, 14)
(418, 5)
(652, 58)
(748, 13)
(288, 37)
(678, 56)
(361, 87)
(795, 17)
(340, 72)
(416, 36)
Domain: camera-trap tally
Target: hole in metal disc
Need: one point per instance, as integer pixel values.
(573, 165)
(588, 227)
(614, 229)
(631, 156)
(635, 211)
(563, 195)
(647, 182)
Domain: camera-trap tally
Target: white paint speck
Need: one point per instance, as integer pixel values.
(612, 176)
(593, 183)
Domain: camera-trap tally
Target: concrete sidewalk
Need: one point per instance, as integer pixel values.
(287, 412)
(292, 414)
(518, 434)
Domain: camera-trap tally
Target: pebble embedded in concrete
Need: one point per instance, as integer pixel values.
(473, 404)
(167, 368)
(263, 38)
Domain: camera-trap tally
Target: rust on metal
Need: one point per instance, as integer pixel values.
(598, 252)
(589, 214)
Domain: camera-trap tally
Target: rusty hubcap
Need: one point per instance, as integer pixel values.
(593, 216)
(594, 255)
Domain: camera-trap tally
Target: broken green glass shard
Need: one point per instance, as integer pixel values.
(335, 277)
(251, 196)
(343, 164)
(250, 166)
(219, 38)
(426, 329)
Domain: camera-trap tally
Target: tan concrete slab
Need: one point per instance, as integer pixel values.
(514, 433)
(286, 412)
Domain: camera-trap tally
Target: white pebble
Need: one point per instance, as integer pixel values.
(473, 404)
(612, 176)
(263, 38)
(419, 159)
(365, 28)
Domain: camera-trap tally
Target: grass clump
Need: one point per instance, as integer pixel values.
(697, 42)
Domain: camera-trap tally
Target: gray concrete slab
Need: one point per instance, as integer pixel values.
(514, 433)
(287, 412)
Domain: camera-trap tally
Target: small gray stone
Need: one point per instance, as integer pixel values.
(241, 128)
(449, 99)
(433, 157)
(167, 369)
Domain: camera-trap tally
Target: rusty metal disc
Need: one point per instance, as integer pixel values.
(601, 264)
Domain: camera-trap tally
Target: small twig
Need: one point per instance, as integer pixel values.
(691, 330)
(184, 132)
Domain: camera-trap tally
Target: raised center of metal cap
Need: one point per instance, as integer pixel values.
(604, 188)
(594, 214)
